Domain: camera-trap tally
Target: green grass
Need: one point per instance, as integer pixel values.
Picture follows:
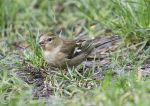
(133, 19)
(23, 20)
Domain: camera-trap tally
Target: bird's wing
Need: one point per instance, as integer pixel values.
(68, 48)
(73, 48)
(85, 46)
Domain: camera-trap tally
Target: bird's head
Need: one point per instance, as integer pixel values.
(49, 41)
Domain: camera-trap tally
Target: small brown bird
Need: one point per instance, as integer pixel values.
(62, 53)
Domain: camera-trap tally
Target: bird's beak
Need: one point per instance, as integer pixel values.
(41, 43)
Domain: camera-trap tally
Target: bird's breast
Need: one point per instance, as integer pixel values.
(49, 56)
(54, 56)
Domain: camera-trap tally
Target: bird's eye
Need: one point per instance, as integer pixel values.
(49, 39)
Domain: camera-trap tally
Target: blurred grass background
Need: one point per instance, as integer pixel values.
(22, 20)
